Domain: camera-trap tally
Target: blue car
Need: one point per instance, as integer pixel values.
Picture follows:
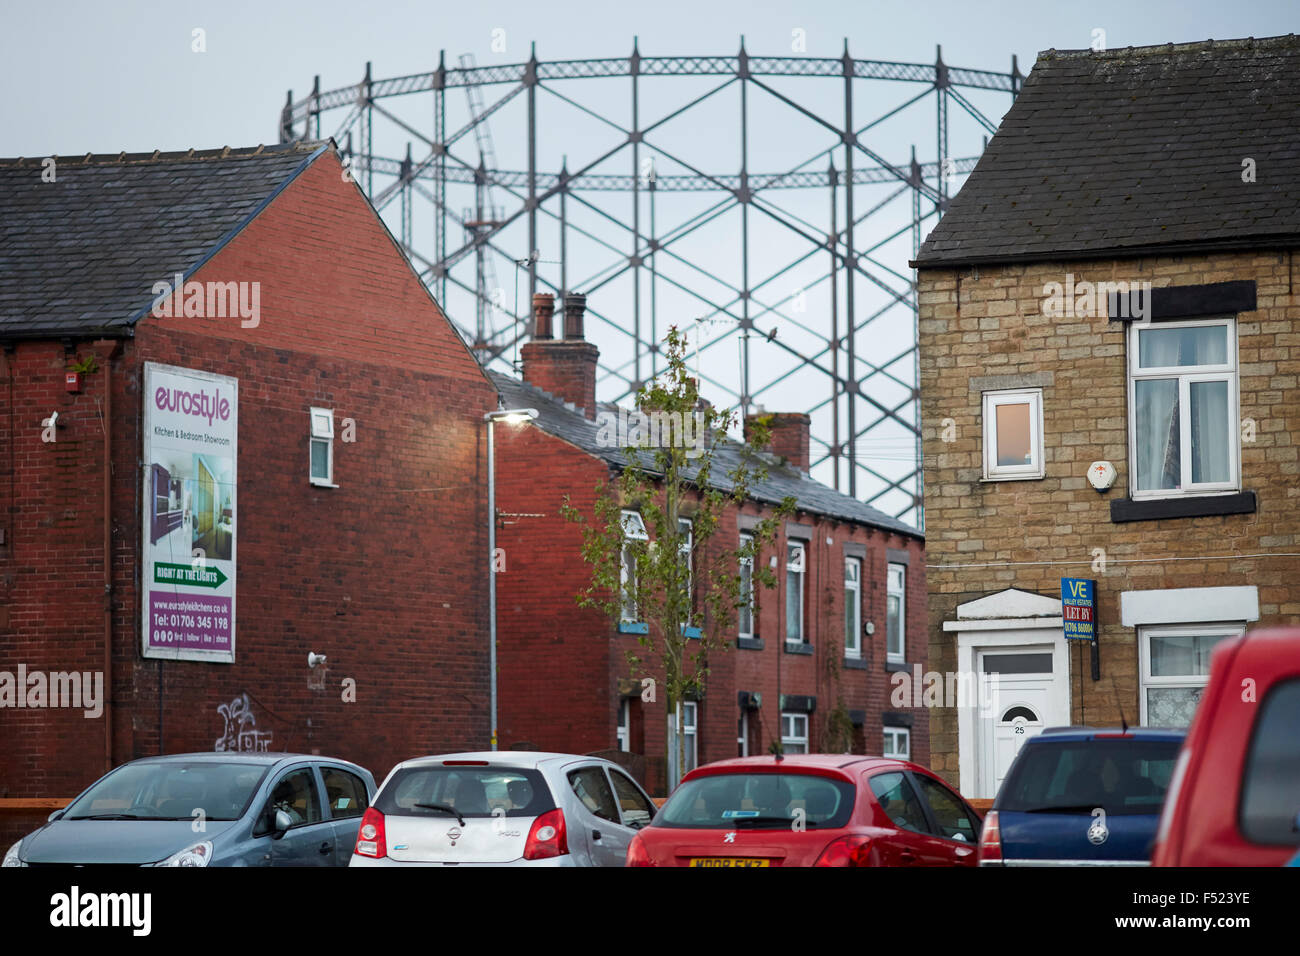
(210, 809)
(1080, 796)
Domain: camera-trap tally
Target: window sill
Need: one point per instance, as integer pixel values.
(893, 666)
(855, 663)
(798, 647)
(994, 478)
(749, 643)
(1186, 506)
(633, 627)
(317, 483)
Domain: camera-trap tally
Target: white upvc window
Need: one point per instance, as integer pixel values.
(624, 731)
(794, 733)
(1182, 397)
(1175, 667)
(320, 463)
(1013, 435)
(853, 607)
(896, 610)
(795, 563)
(685, 546)
(690, 713)
(898, 743)
(742, 734)
(633, 530)
(745, 613)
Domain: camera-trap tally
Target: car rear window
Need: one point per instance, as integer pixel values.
(1120, 775)
(759, 801)
(1270, 790)
(470, 791)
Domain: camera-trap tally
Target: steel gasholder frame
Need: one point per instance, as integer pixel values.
(847, 246)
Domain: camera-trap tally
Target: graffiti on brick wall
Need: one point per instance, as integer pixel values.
(240, 734)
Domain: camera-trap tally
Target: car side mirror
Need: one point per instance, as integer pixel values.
(57, 814)
(282, 823)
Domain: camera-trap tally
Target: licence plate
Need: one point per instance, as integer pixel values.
(728, 861)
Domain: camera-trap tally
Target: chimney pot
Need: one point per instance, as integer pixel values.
(575, 305)
(543, 310)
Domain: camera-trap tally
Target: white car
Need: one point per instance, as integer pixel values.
(503, 808)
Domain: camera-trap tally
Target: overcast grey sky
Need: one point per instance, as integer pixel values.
(81, 76)
(88, 75)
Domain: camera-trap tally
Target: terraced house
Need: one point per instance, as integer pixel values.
(1110, 352)
(809, 668)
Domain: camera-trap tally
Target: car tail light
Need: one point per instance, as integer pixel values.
(548, 837)
(637, 853)
(370, 837)
(846, 851)
(991, 839)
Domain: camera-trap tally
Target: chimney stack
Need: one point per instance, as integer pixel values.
(789, 436)
(564, 367)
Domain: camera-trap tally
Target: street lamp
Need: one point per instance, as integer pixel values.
(511, 416)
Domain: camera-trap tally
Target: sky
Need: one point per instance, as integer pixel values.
(106, 77)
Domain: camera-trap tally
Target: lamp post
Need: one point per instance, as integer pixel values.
(513, 416)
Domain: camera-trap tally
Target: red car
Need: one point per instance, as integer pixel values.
(810, 810)
(1234, 795)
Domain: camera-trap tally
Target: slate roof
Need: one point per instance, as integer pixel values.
(567, 422)
(80, 255)
(1136, 150)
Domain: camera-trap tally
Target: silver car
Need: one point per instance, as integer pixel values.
(503, 808)
(208, 809)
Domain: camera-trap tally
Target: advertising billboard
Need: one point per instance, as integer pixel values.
(191, 436)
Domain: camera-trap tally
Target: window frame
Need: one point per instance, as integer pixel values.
(685, 550)
(746, 594)
(801, 571)
(636, 532)
(899, 656)
(623, 726)
(853, 592)
(1223, 629)
(906, 733)
(793, 738)
(1185, 376)
(324, 436)
(1018, 396)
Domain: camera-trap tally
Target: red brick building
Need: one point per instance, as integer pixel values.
(565, 683)
(344, 503)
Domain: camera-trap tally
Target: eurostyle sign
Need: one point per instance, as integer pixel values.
(1079, 609)
(191, 435)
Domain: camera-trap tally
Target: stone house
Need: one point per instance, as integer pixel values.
(1109, 351)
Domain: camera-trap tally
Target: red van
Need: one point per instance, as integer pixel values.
(1234, 797)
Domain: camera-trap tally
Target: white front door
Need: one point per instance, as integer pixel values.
(1031, 692)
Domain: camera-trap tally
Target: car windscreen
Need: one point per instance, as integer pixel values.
(171, 790)
(1121, 775)
(476, 791)
(759, 801)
